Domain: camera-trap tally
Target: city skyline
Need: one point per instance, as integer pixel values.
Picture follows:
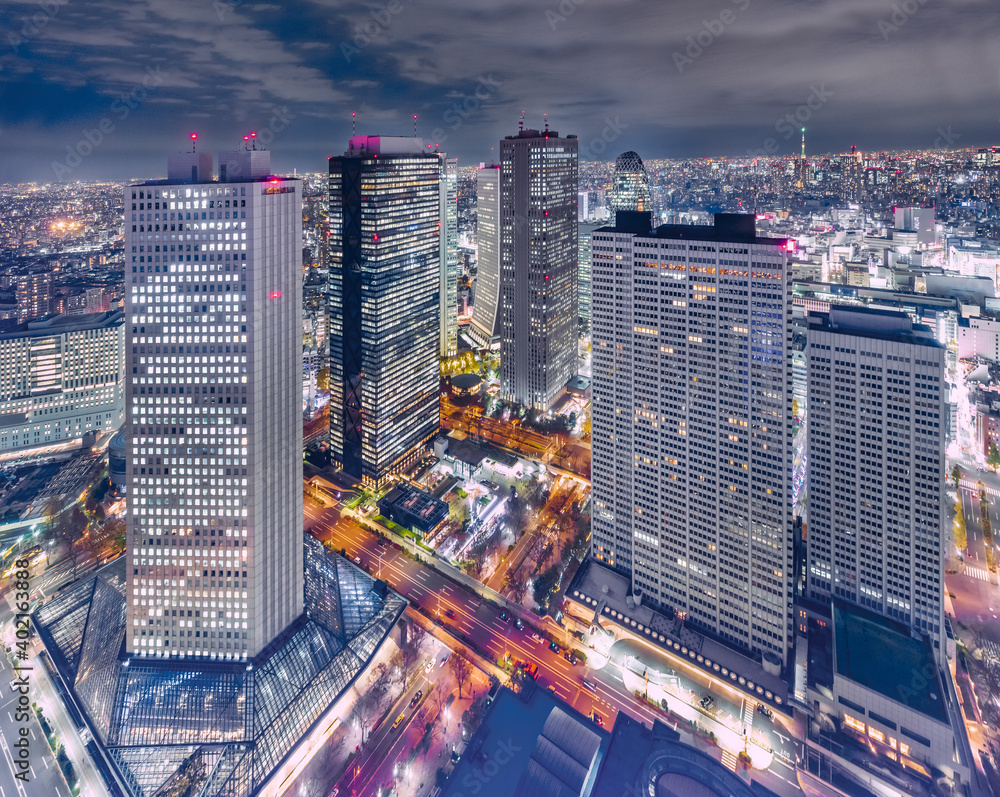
(150, 73)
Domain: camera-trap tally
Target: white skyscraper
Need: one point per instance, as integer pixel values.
(538, 308)
(484, 326)
(876, 430)
(691, 422)
(449, 256)
(213, 324)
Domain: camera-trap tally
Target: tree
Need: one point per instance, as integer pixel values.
(993, 458)
(956, 475)
(795, 408)
(323, 379)
(462, 670)
(958, 527)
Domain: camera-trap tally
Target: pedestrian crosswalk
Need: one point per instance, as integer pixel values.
(977, 572)
(748, 709)
(729, 761)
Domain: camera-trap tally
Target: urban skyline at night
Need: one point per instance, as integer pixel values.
(424, 398)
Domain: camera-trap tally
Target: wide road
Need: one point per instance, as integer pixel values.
(480, 624)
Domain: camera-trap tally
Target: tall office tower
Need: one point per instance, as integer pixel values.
(485, 326)
(584, 272)
(629, 185)
(876, 433)
(61, 378)
(691, 422)
(538, 266)
(385, 211)
(213, 657)
(33, 294)
(214, 310)
(449, 257)
(583, 206)
(915, 220)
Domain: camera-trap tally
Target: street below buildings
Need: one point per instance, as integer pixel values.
(482, 625)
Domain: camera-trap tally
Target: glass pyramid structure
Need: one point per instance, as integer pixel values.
(214, 728)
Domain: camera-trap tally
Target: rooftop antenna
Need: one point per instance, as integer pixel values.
(194, 142)
(546, 117)
(253, 140)
(414, 125)
(246, 143)
(520, 126)
(354, 118)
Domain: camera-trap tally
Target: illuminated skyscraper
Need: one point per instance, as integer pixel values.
(484, 327)
(385, 283)
(691, 422)
(214, 295)
(585, 232)
(538, 310)
(876, 430)
(217, 650)
(630, 185)
(449, 257)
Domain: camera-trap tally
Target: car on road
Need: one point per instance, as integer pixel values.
(399, 721)
(707, 701)
(416, 698)
(570, 657)
(357, 561)
(518, 623)
(589, 685)
(597, 719)
(765, 711)
(450, 614)
(554, 647)
(444, 659)
(505, 616)
(535, 636)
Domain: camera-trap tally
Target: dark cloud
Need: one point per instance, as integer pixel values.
(673, 78)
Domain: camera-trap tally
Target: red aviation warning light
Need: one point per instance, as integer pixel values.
(274, 295)
(789, 245)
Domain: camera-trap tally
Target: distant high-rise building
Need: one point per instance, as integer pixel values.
(385, 282)
(538, 311)
(449, 257)
(215, 495)
(915, 220)
(61, 378)
(583, 206)
(33, 293)
(485, 327)
(630, 185)
(585, 231)
(876, 430)
(691, 422)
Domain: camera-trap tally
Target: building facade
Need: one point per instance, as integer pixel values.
(385, 211)
(449, 257)
(538, 309)
(60, 379)
(876, 437)
(213, 320)
(583, 272)
(33, 293)
(691, 422)
(629, 185)
(484, 326)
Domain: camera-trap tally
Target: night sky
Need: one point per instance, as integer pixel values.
(667, 78)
